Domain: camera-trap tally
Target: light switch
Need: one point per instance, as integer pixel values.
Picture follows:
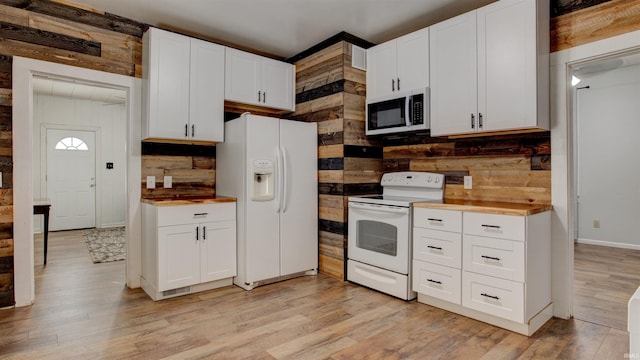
(168, 181)
(151, 182)
(468, 182)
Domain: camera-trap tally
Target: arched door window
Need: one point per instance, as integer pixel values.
(71, 143)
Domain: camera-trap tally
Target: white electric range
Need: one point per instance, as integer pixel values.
(379, 231)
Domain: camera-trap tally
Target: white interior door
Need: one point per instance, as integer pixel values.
(71, 178)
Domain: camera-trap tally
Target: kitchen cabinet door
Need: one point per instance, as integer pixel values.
(178, 257)
(167, 73)
(454, 101)
(507, 63)
(218, 250)
(398, 65)
(413, 60)
(206, 95)
(381, 69)
(183, 87)
(242, 77)
(278, 79)
(256, 80)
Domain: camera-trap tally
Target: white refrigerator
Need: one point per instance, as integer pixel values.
(270, 166)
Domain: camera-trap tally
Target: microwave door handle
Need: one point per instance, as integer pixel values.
(409, 110)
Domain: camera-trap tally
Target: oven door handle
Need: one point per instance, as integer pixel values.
(387, 209)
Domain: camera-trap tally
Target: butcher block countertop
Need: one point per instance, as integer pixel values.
(492, 207)
(188, 201)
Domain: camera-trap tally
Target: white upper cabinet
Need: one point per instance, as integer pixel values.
(398, 65)
(454, 84)
(257, 80)
(183, 87)
(490, 69)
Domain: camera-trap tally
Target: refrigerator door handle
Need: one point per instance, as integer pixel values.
(285, 179)
(278, 179)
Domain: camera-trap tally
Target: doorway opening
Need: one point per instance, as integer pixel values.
(606, 195)
(25, 73)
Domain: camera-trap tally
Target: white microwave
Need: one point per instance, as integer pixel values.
(399, 112)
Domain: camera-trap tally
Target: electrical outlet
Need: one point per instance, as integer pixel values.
(168, 181)
(151, 182)
(596, 224)
(468, 182)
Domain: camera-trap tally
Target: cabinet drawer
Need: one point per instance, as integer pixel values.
(445, 220)
(494, 257)
(439, 247)
(441, 282)
(198, 213)
(493, 296)
(493, 225)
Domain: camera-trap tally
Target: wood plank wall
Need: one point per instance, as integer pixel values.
(513, 168)
(331, 92)
(579, 25)
(57, 32)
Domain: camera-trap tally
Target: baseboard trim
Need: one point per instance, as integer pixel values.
(607, 243)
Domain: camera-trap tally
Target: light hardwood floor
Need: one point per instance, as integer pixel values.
(83, 311)
(605, 278)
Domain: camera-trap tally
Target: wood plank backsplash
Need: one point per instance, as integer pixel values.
(513, 168)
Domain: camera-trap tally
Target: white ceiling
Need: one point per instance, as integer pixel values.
(287, 27)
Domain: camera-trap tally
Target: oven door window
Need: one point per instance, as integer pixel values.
(377, 237)
(387, 114)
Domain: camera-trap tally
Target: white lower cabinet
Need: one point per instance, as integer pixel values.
(438, 281)
(499, 270)
(188, 248)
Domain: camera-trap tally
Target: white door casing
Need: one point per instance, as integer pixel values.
(71, 179)
(24, 70)
(562, 161)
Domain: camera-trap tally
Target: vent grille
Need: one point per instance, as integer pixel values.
(182, 290)
(358, 57)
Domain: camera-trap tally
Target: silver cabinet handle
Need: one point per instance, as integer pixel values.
(490, 226)
(197, 233)
(264, 97)
(473, 121)
(393, 85)
(398, 84)
(193, 130)
(200, 214)
(490, 258)
(259, 93)
(480, 120)
(433, 219)
(434, 247)
(204, 233)
(435, 281)
(186, 130)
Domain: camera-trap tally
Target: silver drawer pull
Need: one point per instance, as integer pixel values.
(432, 219)
(490, 226)
(200, 214)
(435, 281)
(490, 257)
(434, 247)
(490, 296)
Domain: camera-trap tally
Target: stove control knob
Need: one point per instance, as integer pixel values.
(430, 179)
(437, 180)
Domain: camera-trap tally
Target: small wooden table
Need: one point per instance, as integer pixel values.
(42, 206)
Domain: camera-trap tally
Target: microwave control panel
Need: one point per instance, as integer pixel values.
(417, 111)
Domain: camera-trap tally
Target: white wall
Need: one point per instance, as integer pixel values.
(111, 121)
(608, 176)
